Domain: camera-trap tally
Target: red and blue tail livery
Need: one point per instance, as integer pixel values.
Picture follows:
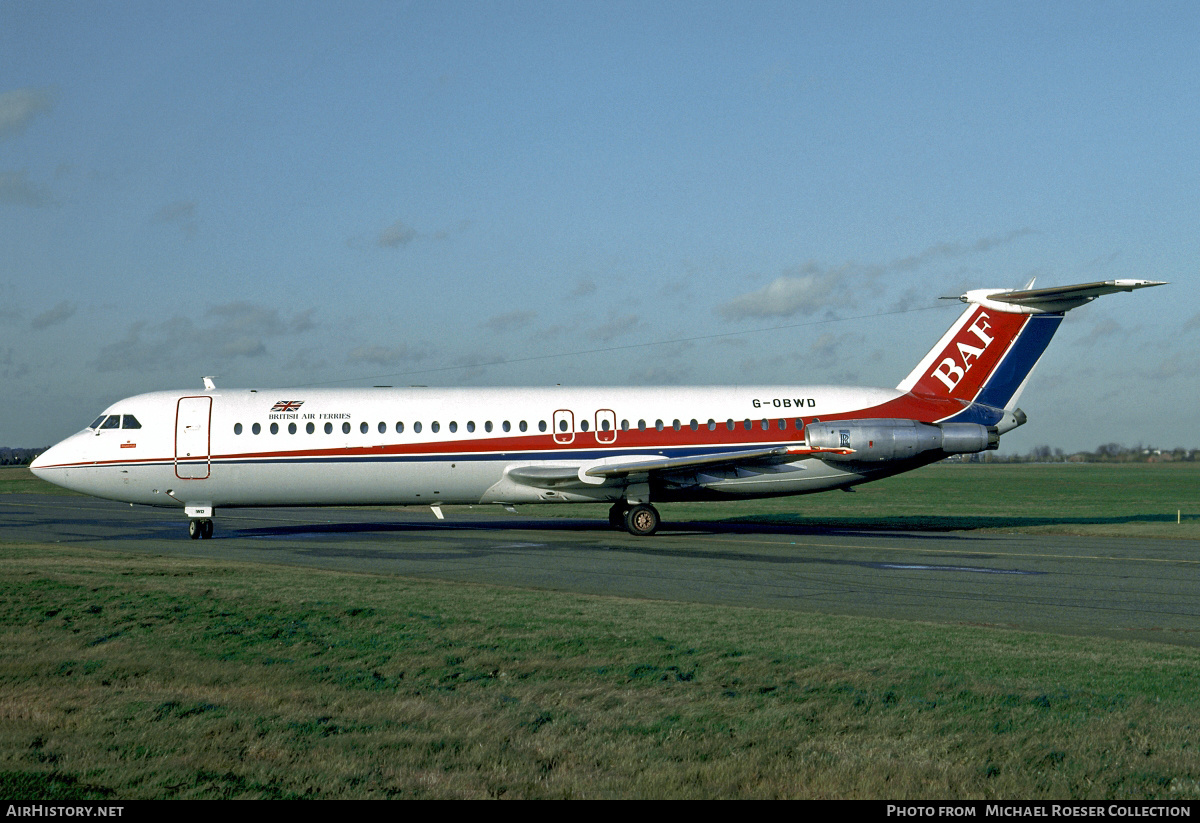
(629, 447)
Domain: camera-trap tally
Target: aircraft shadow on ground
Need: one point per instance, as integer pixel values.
(955, 527)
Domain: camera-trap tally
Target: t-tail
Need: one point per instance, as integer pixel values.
(977, 371)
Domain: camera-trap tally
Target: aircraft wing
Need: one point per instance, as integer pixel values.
(558, 475)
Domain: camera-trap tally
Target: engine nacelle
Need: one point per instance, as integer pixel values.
(879, 440)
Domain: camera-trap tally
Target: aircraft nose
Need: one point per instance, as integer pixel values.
(38, 466)
(56, 455)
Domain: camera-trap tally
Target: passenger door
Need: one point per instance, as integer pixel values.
(193, 417)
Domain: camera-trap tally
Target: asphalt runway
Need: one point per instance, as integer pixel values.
(1119, 588)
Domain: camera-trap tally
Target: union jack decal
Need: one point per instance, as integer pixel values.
(287, 405)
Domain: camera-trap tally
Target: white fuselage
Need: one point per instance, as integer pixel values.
(387, 446)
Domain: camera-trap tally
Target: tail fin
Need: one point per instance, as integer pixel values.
(988, 354)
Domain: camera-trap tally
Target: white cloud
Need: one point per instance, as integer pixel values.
(397, 235)
(16, 189)
(59, 314)
(20, 106)
(181, 213)
(785, 296)
(226, 332)
(510, 321)
(385, 355)
(614, 328)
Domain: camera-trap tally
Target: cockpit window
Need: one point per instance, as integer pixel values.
(113, 422)
(128, 421)
(99, 420)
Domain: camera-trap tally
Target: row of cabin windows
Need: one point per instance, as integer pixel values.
(764, 424)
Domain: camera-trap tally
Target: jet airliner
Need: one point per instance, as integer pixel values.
(215, 448)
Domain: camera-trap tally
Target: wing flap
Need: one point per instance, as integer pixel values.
(615, 469)
(771, 454)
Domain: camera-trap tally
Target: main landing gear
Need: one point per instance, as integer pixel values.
(200, 529)
(639, 519)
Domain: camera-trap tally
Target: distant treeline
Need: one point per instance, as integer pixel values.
(18, 457)
(1108, 453)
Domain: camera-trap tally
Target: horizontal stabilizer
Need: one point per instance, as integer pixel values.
(1054, 299)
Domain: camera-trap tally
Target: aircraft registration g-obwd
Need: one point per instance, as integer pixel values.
(218, 448)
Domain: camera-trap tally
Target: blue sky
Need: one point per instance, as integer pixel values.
(523, 193)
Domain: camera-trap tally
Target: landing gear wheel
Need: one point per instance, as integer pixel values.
(616, 516)
(642, 520)
(200, 529)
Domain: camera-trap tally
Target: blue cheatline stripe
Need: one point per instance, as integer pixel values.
(1020, 360)
(508, 457)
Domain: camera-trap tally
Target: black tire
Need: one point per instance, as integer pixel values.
(194, 529)
(206, 529)
(616, 516)
(641, 520)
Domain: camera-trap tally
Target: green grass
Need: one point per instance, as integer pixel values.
(20, 480)
(135, 676)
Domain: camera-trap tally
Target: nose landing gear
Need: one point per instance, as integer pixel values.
(200, 529)
(200, 526)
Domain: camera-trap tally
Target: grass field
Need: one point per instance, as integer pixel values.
(127, 677)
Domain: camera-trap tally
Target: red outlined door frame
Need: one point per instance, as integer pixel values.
(193, 437)
(606, 435)
(562, 435)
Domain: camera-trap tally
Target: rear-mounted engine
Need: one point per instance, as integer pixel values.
(876, 440)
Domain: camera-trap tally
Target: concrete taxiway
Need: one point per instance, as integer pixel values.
(1120, 588)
